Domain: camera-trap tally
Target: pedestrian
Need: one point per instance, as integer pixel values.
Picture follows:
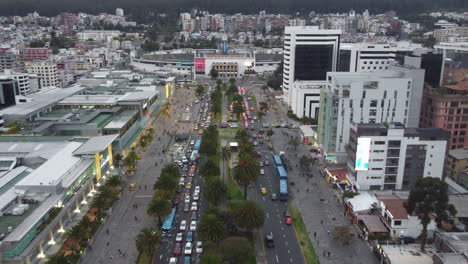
(107, 230)
(145, 186)
(324, 253)
(107, 244)
(328, 231)
(315, 234)
(328, 253)
(136, 219)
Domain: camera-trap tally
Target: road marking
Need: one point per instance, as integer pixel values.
(282, 228)
(290, 260)
(277, 260)
(268, 216)
(284, 235)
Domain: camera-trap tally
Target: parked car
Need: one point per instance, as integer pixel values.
(199, 247)
(193, 217)
(179, 237)
(262, 172)
(173, 260)
(193, 226)
(187, 260)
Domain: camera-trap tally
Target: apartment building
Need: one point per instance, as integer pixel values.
(457, 166)
(32, 54)
(389, 156)
(309, 53)
(46, 71)
(366, 97)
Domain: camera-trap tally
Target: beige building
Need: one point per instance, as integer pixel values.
(46, 71)
(457, 165)
(443, 34)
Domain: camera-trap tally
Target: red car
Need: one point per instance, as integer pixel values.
(259, 154)
(178, 249)
(288, 220)
(192, 172)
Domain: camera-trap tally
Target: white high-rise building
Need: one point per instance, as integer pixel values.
(391, 157)
(309, 53)
(119, 12)
(46, 71)
(22, 80)
(364, 97)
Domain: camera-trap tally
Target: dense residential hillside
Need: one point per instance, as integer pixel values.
(52, 7)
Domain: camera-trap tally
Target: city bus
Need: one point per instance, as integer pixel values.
(278, 161)
(282, 172)
(194, 156)
(197, 145)
(283, 193)
(169, 221)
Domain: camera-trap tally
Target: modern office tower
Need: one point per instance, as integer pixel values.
(7, 60)
(392, 157)
(366, 97)
(47, 72)
(8, 91)
(309, 53)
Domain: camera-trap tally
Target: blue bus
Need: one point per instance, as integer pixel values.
(282, 172)
(283, 190)
(197, 145)
(169, 221)
(194, 156)
(278, 160)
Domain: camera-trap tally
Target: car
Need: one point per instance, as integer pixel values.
(193, 226)
(192, 142)
(260, 163)
(186, 207)
(267, 163)
(254, 135)
(193, 217)
(132, 187)
(195, 127)
(190, 179)
(197, 101)
(269, 241)
(182, 181)
(187, 199)
(179, 237)
(274, 197)
(407, 240)
(196, 196)
(265, 125)
(199, 247)
(173, 260)
(288, 220)
(192, 171)
(259, 154)
(200, 131)
(188, 248)
(252, 121)
(189, 185)
(178, 249)
(187, 260)
(176, 200)
(263, 190)
(189, 236)
(262, 172)
(183, 225)
(197, 189)
(194, 206)
(179, 189)
(260, 142)
(255, 143)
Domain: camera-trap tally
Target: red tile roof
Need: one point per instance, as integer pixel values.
(340, 174)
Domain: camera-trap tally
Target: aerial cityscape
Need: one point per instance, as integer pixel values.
(203, 134)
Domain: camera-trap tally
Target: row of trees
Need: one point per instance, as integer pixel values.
(216, 100)
(247, 168)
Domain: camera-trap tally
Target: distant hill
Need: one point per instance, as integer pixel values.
(53, 7)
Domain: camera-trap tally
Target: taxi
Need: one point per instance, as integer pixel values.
(263, 191)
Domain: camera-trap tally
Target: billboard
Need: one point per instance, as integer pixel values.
(362, 154)
(200, 64)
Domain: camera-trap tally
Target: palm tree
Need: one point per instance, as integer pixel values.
(114, 181)
(249, 215)
(117, 159)
(215, 190)
(212, 228)
(77, 233)
(210, 168)
(166, 182)
(246, 170)
(171, 169)
(159, 208)
(148, 241)
(131, 159)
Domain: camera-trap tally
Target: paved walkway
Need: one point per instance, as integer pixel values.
(125, 222)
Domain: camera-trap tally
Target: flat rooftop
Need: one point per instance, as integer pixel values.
(100, 99)
(407, 254)
(121, 120)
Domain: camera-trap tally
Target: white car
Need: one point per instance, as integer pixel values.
(194, 207)
(196, 196)
(182, 181)
(179, 237)
(188, 248)
(173, 260)
(199, 247)
(187, 199)
(197, 189)
(183, 225)
(192, 142)
(262, 171)
(193, 226)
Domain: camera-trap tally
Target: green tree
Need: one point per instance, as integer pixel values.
(246, 170)
(235, 249)
(263, 106)
(148, 241)
(249, 215)
(103, 200)
(295, 141)
(215, 190)
(219, 82)
(232, 81)
(214, 73)
(172, 170)
(77, 233)
(131, 159)
(238, 109)
(428, 198)
(209, 169)
(200, 91)
(305, 162)
(117, 159)
(212, 227)
(225, 153)
(149, 46)
(269, 132)
(159, 208)
(166, 182)
(242, 135)
(114, 181)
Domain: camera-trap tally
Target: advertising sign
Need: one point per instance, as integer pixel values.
(362, 154)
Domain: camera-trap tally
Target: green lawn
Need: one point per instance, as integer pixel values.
(217, 118)
(228, 130)
(144, 259)
(303, 236)
(234, 192)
